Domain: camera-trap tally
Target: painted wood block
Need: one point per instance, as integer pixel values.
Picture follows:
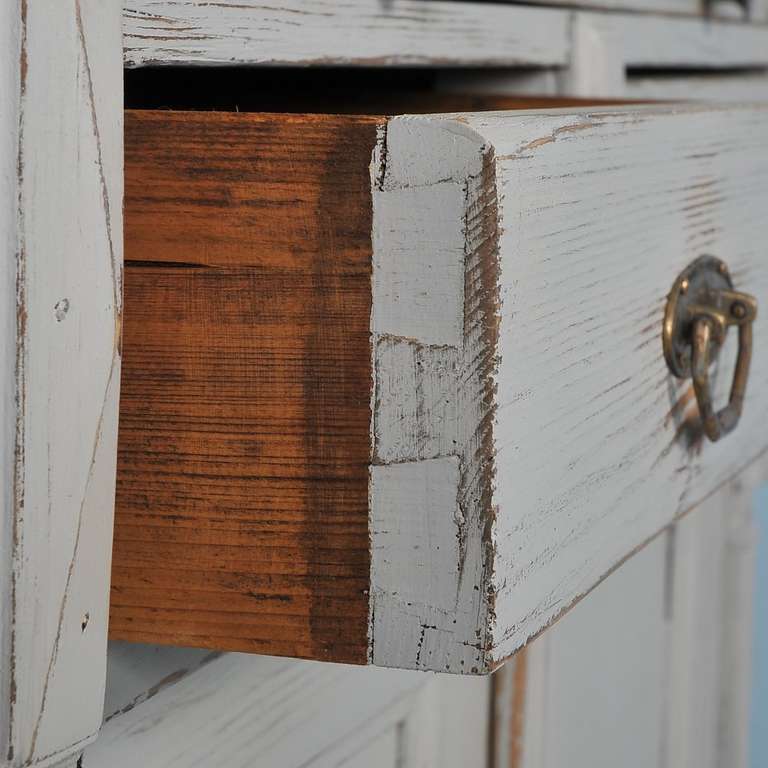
(394, 390)
(61, 149)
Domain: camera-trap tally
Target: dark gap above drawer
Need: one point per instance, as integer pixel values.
(326, 90)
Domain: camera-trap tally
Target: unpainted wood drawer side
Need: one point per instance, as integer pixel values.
(242, 494)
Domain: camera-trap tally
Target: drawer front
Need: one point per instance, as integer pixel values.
(394, 389)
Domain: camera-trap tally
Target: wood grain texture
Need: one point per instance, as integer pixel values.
(353, 32)
(647, 41)
(522, 402)
(61, 234)
(242, 499)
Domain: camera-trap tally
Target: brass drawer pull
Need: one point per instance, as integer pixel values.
(701, 306)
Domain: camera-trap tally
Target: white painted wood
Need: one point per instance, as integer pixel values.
(382, 752)
(721, 87)
(608, 48)
(61, 223)
(710, 655)
(368, 32)
(736, 626)
(463, 704)
(523, 452)
(656, 659)
(694, 656)
(653, 42)
(692, 7)
(242, 710)
(365, 32)
(137, 672)
(595, 688)
(597, 67)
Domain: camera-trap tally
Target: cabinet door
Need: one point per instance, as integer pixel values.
(394, 389)
(168, 709)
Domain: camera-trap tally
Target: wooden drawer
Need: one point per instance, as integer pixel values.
(393, 389)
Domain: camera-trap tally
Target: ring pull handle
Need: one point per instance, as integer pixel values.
(700, 309)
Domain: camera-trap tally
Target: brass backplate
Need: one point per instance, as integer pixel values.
(701, 284)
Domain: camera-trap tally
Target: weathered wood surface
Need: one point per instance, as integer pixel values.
(366, 32)
(239, 710)
(242, 494)
(528, 436)
(603, 669)
(61, 229)
(653, 42)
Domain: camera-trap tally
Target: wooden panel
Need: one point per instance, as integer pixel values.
(242, 499)
(597, 680)
(652, 42)
(61, 244)
(408, 32)
(528, 434)
(242, 711)
(363, 32)
(723, 87)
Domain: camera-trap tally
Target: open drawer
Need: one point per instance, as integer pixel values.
(394, 389)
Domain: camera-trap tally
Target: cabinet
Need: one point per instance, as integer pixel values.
(65, 337)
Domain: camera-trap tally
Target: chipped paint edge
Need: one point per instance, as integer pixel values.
(434, 326)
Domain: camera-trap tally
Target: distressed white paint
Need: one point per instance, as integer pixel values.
(598, 211)
(366, 32)
(61, 224)
(239, 710)
(722, 87)
(369, 32)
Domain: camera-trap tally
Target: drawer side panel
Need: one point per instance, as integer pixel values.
(242, 497)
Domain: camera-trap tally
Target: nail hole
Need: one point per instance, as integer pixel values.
(85, 621)
(61, 309)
